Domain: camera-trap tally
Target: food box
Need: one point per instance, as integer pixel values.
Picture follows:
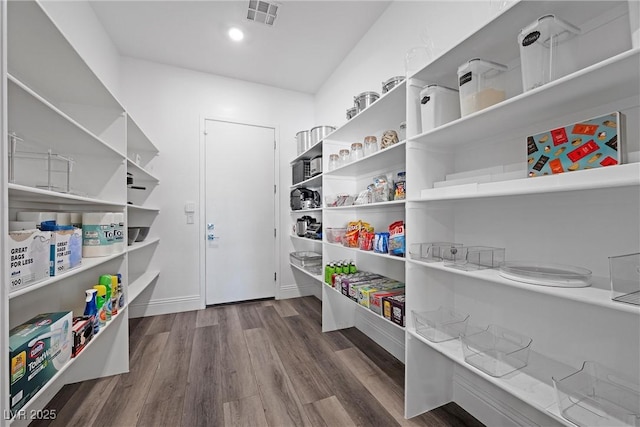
(66, 250)
(82, 333)
(38, 349)
(375, 300)
(393, 308)
(588, 144)
(29, 258)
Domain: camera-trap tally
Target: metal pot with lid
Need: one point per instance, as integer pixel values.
(318, 133)
(391, 83)
(364, 100)
(351, 112)
(304, 141)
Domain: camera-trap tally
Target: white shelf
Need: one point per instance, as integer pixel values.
(314, 181)
(87, 264)
(592, 179)
(140, 174)
(137, 140)
(40, 123)
(142, 208)
(372, 253)
(543, 103)
(388, 111)
(317, 277)
(313, 151)
(299, 211)
(380, 160)
(367, 205)
(598, 294)
(23, 193)
(306, 239)
(531, 384)
(139, 245)
(141, 283)
(60, 374)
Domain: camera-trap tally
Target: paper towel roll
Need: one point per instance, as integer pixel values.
(97, 234)
(118, 220)
(76, 219)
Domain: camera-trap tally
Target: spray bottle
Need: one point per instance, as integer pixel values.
(101, 293)
(105, 280)
(91, 310)
(120, 292)
(114, 294)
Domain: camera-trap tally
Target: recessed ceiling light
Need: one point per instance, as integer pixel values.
(236, 34)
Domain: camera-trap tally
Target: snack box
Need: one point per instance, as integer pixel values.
(28, 261)
(365, 292)
(82, 333)
(393, 309)
(38, 349)
(346, 283)
(588, 144)
(375, 300)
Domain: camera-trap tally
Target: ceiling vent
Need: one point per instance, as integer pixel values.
(262, 12)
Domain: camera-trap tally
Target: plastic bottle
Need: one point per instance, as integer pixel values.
(352, 267)
(120, 292)
(330, 270)
(101, 294)
(114, 294)
(91, 310)
(105, 280)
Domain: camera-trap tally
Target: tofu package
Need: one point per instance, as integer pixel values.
(29, 258)
(38, 349)
(588, 144)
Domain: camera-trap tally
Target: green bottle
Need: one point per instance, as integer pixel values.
(105, 280)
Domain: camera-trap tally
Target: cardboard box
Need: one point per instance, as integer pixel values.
(38, 349)
(375, 300)
(29, 260)
(588, 144)
(66, 250)
(393, 308)
(82, 333)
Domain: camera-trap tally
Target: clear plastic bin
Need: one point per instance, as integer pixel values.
(305, 259)
(432, 252)
(544, 55)
(496, 351)
(481, 85)
(438, 105)
(596, 396)
(440, 325)
(473, 257)
(624, 271)
(335, 235)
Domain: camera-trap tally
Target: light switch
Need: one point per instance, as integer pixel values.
(190, 207)
(189, 218)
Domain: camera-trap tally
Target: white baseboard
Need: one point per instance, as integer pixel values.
(382, 332)
(303, 290)
(165, 306)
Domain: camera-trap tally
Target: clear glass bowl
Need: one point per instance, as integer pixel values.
(546, 274)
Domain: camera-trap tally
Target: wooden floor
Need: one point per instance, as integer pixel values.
(256, 364)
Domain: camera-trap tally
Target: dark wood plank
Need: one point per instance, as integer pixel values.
(161, 324)
(165, 400)
(297, 356)
(88, 401)
(328, 413)
(284, 308)
(137, 332)
(453, 415)
(124, 404)
(276, 389)
(248, 314)
(311, 312)
(58, 403)
(202, 403)
(207, 317)
(246, 412)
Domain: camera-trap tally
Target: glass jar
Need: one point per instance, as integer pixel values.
(402, 132)
(370, 145)
(334, 161)
(344, 157)
(357, 152)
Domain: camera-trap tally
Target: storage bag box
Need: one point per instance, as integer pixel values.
(29, 258)
(66, 250)
(38, 349)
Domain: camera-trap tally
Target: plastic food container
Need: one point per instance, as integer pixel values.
(335, 235)
(440, 325)
(544, 55)
(305, 259)
(473, 257)
(433, 252)
(496, 351)
(596, 396)
(481, 85)
(624, 271)
(438, 105)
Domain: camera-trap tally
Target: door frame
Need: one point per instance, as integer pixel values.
(201, 217)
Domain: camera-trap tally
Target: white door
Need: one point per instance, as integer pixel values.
(240, 212)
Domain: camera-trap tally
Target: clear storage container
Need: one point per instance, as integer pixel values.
(473, 257)
(370, 145)
(440, 325)
(305, 259)
(433, 252)
(496, 351)
(481, 85)
(357, 152)
(624, 271)
(544, 55)
(335, 235)
(438, 105)
(596, 396)
(334, 161)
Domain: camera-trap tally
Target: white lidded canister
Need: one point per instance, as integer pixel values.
(438, 105)
(97, 234)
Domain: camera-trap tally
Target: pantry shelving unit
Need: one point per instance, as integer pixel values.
(338, 311)
(55, 102)
(562, 218)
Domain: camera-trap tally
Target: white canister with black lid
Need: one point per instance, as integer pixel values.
(438, 105)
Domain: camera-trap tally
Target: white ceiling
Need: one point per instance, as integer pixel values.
(307, 42)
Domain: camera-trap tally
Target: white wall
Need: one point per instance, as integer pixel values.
(170, 103)
(380, 54)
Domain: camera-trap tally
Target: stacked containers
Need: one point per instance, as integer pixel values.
(543, 52)
(481, 85)
(438, 105)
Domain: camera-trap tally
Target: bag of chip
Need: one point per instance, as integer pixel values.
(397, 239)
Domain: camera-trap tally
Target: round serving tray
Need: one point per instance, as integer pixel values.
(563, 276)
